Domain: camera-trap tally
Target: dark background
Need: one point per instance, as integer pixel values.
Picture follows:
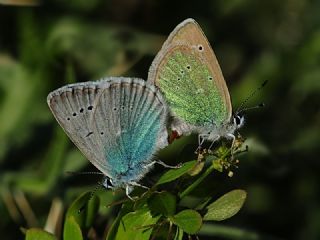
(44, 47)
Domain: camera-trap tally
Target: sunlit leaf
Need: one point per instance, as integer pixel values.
(189, 221)
(126, 208)
(226, 206)
(72, 229)
(136, 225)
(38, 234)
(173, 174)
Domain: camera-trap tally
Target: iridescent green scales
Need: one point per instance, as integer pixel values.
(190, 90)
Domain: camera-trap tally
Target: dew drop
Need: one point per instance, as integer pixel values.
(90, 107)
(74, 114)
(200, 47)
(81, 110)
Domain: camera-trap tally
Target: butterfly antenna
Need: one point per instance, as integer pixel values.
(84, 173)
(241, 109)
(250, 108)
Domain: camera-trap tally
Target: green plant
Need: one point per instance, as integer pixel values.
(160, 212)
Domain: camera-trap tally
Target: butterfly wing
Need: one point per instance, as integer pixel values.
(73, 106)
(135, 118)
(109, 121)
(187, 45)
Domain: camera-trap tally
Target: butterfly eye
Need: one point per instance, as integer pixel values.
(108, 183)
(238, 120)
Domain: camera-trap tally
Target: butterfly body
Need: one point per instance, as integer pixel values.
(188, 74)
(117, 123)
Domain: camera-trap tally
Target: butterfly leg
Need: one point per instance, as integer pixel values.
(166, 165)
(128, 191)
(161, 163)
(233, 141)
(201, 138)
(138, 185)
(129, 188)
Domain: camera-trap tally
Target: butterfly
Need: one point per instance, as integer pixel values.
(117, 123)
(188, 74)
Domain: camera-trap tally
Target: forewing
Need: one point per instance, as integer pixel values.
(73, 107)
(187, 86)
(189, 34)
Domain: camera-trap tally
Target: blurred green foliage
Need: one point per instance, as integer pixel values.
(46, 46)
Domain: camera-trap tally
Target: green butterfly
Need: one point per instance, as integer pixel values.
(188, 74)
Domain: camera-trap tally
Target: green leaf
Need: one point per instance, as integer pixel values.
(84, 209)
(142, 200)
(218, 165)
(226, 206)
(179, 234)
(112, 231)
(196, 169)
(176, 173)
(163, 203)
(189, 221)
(38, 234)
(136, 225)
(72, 229)
(91, 210)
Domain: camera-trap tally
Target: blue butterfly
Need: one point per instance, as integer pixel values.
(117, 123)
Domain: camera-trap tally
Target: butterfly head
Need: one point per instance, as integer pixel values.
(107, 183)
(237, 121)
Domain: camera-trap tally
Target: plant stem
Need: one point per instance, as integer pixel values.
(197, 182)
